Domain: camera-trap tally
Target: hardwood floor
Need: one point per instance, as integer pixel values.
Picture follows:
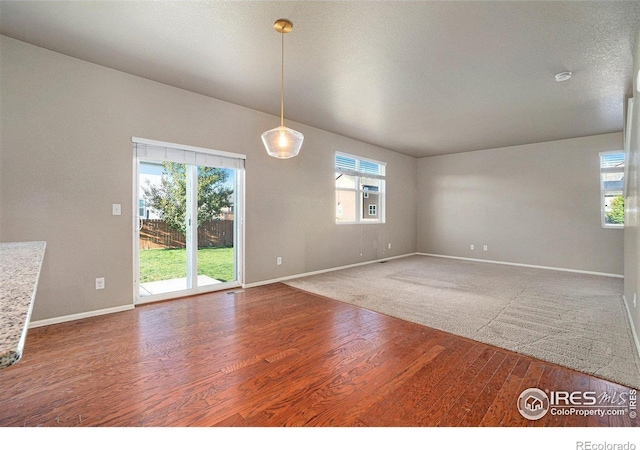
(273, 356)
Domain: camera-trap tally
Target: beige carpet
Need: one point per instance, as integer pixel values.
(575, 320)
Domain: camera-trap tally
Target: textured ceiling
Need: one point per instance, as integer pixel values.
(422, 78)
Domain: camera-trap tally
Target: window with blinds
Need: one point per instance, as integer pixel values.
(611, 189)
(360, 186)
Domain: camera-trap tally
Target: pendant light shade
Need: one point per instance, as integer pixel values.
(282, 142)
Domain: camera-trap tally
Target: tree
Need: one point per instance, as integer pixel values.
(616, 215)
(168, 200)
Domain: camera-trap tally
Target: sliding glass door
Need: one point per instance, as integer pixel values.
(163, 233)
(188, 225)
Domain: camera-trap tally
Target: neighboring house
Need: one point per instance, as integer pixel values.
(345, 200)
(150, 173)
(370, 203)
(614, 185)
(226, 213)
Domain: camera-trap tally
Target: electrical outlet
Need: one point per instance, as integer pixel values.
(472, 247)
(389, 245)
(279, 260)
(485, 248)
(100, 283)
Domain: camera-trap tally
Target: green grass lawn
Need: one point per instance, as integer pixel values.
(165, 264)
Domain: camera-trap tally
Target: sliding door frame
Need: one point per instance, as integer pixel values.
(238, 234)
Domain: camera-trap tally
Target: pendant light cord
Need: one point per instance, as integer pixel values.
(282, 87)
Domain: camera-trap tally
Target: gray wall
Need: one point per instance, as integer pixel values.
(66, 156)
(632, 205)
(533, 204)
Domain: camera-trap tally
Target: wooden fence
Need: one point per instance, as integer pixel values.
(156, 234)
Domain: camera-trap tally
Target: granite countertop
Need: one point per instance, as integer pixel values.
(20, 264)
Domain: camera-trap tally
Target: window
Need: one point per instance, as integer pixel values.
(611, 188)
(360, 185)
(142, 210)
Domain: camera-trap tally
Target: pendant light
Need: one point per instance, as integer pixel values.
(282, 142)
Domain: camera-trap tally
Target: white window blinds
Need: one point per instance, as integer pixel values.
(349, 165)
(163, 151)
(612, 160)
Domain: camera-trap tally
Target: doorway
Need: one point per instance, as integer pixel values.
(188, 204)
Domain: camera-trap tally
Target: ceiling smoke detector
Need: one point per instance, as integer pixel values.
(563, 76)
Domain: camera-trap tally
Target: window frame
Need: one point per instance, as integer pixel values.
(604, 192)
(359, 190)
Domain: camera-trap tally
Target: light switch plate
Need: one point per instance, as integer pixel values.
(116, 209)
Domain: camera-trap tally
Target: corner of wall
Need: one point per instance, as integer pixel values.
(632, 200)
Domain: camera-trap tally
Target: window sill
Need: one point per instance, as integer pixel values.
(359, 223)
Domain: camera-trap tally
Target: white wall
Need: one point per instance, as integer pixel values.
(632, 205)
(66, 156)
(533, 204)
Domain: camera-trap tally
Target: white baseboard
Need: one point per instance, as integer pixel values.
(560, 269)
(633, 328)
(62, 319)
(84, 315)
(317, 272)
